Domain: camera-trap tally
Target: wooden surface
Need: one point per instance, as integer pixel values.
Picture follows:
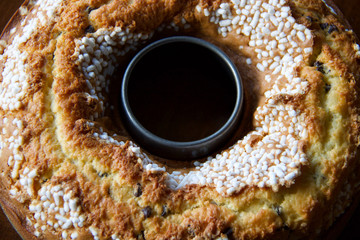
(349, 8)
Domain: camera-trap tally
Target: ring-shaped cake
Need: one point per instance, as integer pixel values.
(69, 169)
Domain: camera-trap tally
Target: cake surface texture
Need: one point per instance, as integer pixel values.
(70, 170)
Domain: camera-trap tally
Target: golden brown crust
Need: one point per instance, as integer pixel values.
(108, 186)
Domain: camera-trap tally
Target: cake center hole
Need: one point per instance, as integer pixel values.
(182, 91)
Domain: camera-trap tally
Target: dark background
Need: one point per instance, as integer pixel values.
(349, 8)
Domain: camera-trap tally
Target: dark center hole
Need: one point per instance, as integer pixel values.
(182, 92)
